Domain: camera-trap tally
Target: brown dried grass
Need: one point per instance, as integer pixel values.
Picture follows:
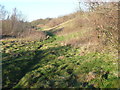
(104, 25)
(33, 35)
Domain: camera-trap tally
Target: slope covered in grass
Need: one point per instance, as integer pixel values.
(47, 64)
(80, 53)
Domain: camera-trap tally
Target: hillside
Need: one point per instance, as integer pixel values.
(80, 51)
(40, 23)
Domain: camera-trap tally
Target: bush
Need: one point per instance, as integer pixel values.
(33, 35)
(15, 26)
(99, 25)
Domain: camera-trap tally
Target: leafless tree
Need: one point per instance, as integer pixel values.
(91, 4)
(14, 24)
(3, 12)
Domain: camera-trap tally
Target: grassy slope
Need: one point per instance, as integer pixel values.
(58, 26)
(48, 64)
(52, 63)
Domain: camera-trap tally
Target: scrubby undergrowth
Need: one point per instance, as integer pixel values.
(81, 53)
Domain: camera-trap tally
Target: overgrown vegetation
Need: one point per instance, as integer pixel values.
(79, 52)
(40, 23)
(97, 27)
(15, 26)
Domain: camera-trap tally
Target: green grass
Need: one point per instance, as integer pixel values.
(38, 65)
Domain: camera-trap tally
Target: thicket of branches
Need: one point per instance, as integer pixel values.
(105, 18)
(102, 17)
(14, 25)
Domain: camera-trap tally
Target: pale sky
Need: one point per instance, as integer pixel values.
(36, 9)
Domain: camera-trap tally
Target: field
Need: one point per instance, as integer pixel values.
(79, 50)
(46, 64)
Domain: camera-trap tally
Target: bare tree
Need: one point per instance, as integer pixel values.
(91, 4)
(14, 24)
(3, 12)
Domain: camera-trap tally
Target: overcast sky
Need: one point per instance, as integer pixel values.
(36, 9)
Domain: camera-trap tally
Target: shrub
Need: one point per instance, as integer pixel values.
(102, 22)
(33, 35)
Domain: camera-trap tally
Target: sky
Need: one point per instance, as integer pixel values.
(36, 9)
